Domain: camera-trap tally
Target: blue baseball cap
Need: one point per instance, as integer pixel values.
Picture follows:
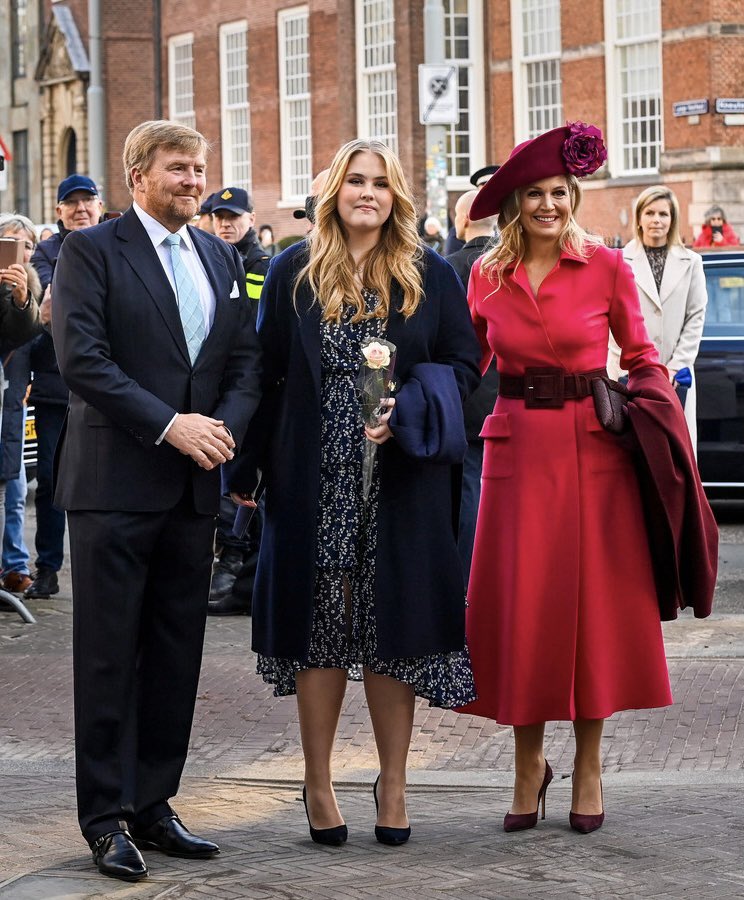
(206, 208)
(234, 200)
(75, 183)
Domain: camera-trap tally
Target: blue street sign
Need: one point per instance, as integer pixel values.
(730, 105)
(690, 108)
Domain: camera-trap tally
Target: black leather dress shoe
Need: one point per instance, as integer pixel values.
(45, 584)
(115, 855)
(230, 606)
(170, 836)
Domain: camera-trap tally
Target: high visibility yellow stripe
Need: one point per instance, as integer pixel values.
(254, 285)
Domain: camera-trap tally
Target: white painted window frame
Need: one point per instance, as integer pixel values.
(227, 110)
(476, 98)
(520, 62)
(615, 145)
(186, 117)
(290, 198)
(367, 75)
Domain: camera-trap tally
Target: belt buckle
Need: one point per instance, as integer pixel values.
(543, 387)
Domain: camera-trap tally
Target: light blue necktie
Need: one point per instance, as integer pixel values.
(189, 305)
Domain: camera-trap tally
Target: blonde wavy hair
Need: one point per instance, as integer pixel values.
(651, 195)
(330, 270)
(511, 247)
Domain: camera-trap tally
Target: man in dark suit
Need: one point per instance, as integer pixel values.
(476, 237)
(156, 342)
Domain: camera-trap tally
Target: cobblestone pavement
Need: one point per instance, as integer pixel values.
(673, 782)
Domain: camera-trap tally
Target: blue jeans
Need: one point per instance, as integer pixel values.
(471, 488)
(15, 551)
(50, 521)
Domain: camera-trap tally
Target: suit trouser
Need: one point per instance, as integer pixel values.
(140, 589)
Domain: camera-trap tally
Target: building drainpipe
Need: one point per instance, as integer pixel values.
(96, 106)
(157, 36)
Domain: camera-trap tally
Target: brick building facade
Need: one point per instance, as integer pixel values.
(276, 86)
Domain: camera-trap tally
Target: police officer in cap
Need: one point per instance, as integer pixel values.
(232, 575)
(233, 216)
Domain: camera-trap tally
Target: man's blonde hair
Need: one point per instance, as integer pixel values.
(146, 139)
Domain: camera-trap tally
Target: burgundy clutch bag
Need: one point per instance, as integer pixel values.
(611, 404)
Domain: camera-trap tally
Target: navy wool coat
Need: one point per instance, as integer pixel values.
(419, 598)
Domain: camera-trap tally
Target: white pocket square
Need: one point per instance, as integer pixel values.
(234, 292)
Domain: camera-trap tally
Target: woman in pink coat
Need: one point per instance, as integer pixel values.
(563, 621)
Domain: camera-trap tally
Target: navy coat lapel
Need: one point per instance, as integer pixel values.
(139, 252)
(309, 327)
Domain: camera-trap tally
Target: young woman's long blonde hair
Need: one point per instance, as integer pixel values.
(511, 248)
(331, 271)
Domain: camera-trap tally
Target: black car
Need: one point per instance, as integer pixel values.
(719, 371)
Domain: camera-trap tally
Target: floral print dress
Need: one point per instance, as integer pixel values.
(344, 628)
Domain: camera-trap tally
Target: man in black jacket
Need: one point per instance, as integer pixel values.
(232, 577)
(478, 236)
(78, 207)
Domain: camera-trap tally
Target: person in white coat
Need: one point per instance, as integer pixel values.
(671, 288)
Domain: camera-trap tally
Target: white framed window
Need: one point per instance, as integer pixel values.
(634, 95)
(463, 48)
(294, 97)
(235, 108)
(181, 79)
(536, 37)
(377, 98)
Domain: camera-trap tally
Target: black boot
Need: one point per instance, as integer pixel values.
(239, 601)
(224, 572)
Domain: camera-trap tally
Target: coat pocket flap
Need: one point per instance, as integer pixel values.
(496, 425)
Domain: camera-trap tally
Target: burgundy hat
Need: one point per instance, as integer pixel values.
(573, 149)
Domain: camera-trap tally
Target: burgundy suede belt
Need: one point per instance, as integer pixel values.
(548, 387)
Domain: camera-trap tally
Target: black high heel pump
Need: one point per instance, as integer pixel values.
(393, 837)
(332, 837)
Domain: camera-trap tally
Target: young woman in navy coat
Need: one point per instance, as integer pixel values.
(340, 581)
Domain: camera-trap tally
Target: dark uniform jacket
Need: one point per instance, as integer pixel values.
(255, 262)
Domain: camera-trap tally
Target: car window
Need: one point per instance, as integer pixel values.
(724, 316)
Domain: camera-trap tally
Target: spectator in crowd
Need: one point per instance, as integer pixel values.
(46, 231)
(230, 594)
(477, 179)
(266, 240)
(203, 219)
(17, 368)
(432, 234)
(672, 291)
(560, 626)
(316, 189)
(19, 320)
(343, 578)
(716, 231)
(78, 207)
(156, 342)
(476, 236)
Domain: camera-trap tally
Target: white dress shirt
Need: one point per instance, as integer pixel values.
(157, 233)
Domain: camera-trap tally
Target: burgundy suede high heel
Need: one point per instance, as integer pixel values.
(585, 824)
(521, 821)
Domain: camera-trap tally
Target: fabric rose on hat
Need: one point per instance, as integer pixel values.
(583, 150)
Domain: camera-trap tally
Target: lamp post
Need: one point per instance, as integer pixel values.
(96, 105)
(436, 134)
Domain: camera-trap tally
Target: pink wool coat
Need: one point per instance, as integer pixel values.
(563, 620)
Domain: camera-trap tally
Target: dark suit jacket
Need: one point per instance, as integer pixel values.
(123, 355)
(419, 605)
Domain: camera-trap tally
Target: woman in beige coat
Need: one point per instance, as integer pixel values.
(671, 288)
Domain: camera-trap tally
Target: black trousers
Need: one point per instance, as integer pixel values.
(140, 589)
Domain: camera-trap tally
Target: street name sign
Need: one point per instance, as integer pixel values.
(690, 108)
(730, 105)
